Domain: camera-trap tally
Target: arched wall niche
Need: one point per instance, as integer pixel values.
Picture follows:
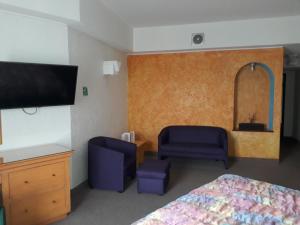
(254, 98)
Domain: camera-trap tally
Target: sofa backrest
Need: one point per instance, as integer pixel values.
(195, 134)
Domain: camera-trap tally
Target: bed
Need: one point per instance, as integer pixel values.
(231, 200)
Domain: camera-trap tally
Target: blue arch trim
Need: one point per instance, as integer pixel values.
(272, 94)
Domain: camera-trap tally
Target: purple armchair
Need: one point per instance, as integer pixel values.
(193, 141)
(110, 161)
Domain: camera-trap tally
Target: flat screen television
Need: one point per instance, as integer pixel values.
(24, 85)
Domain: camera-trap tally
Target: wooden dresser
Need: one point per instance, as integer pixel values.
(35, 184)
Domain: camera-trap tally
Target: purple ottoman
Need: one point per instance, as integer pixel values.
(153, 176)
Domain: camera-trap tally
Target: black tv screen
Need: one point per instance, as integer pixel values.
(25, 85)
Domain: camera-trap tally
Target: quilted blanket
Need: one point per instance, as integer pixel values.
(231, 200)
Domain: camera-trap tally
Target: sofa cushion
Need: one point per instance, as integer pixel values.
(195, 134)
(203, 148)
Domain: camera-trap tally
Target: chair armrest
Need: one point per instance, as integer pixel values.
(106, 168)
(163, 137)
(121, 146)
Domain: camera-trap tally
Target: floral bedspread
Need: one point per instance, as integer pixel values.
(231, 200)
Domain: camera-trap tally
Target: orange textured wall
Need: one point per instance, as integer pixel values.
(198, 89)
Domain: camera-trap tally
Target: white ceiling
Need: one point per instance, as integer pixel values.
(141, 13)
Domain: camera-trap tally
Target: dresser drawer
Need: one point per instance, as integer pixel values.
(38, 209)
(30, 182)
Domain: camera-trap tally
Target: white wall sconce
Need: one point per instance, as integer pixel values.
(111, 67)
(253, 66)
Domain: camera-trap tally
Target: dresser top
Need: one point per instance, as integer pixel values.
(19, 154)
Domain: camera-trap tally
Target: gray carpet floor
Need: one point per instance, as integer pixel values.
(98, 207)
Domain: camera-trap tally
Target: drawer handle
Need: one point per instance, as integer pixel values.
(53, 201)
(26, 182)
(53, 175)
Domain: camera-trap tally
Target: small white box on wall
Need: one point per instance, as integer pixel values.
(111, 67)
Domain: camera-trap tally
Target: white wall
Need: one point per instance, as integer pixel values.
(89, 16)
(30, 39)
(68, 9)
(229, 34)
(104, 110)
(100, 22)
(289, 110)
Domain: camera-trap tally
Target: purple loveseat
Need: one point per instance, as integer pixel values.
(193, 141)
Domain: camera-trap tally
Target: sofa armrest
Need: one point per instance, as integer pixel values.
(163, 137)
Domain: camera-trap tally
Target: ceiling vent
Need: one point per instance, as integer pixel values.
(197, 39)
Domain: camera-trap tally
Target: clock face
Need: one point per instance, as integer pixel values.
(198, 39)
